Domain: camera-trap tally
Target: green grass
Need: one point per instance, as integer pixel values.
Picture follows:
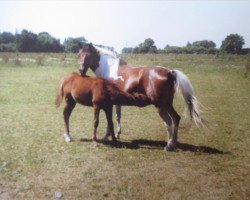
(35, 161)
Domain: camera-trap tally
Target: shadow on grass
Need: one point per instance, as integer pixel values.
(152, 144)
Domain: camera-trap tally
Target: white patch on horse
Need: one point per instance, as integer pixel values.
(108, 64)
(153, 73)
(130, 80)
(106, 51)
(153, 76)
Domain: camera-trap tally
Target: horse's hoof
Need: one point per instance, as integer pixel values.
(169, 147)
(104, 138)
(67, 138)
(95, 144)
(117, 136)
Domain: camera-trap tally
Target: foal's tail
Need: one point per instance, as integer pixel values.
(184, 85)
(59, 95)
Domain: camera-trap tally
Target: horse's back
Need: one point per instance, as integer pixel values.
(156, 82)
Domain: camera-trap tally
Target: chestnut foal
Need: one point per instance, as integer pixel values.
(96, 92)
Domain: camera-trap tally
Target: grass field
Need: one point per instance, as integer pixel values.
(36, 162)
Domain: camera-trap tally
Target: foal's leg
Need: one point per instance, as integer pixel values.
(70, 104)
(96, 121)
(108, 112)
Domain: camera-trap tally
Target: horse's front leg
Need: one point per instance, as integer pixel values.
(108, 112)
(96, 121)
(107, 133)
(118, 119)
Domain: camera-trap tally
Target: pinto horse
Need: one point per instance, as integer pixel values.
(157, 83)
(96, 92)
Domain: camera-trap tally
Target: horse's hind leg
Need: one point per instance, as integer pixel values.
(168, 123)
(170, 116)
(70, 104)
(172, 140)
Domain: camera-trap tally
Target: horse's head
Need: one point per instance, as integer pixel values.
(88, 58)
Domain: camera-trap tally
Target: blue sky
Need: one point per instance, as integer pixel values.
(128, 23)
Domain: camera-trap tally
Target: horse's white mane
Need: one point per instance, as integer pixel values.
(103, 50)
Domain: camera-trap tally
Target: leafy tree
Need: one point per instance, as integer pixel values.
(26, 41)
(7, 37)
(232, 44)
(136, 50)
(205, 44)
(10, 47)
(189, 45)
(72, 44)
(46, 43)
(147, 47)
(127, 50)
(173, 49)
(7, 42)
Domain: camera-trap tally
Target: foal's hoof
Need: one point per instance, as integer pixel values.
(67, 138)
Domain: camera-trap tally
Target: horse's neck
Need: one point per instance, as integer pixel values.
(108, 67)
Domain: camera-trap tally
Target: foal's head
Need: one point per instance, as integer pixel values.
(88, 57)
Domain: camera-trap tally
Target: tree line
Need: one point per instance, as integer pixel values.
(233, 44)
(27, 41)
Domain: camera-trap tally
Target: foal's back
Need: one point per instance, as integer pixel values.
(85, 90)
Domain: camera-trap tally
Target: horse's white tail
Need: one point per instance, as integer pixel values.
(184, 85)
